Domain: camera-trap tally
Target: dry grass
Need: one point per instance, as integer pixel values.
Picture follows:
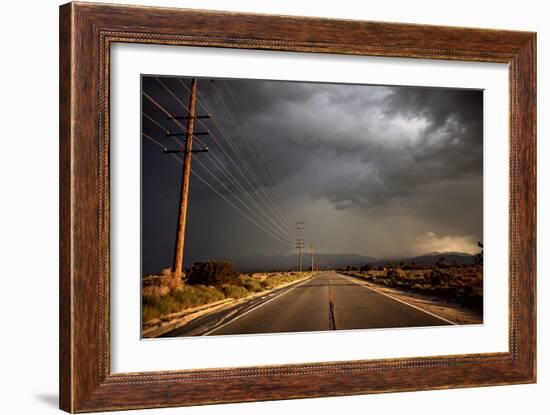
(462, 285)
(272, 280)
(178, 299)
(166, 293)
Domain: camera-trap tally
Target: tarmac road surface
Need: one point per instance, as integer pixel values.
(327, 301)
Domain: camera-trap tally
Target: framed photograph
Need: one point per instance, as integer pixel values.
(259, 207)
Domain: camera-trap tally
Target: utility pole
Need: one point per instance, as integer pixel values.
(182, 217)
(312, 252)
(187, 152)
(300, 242)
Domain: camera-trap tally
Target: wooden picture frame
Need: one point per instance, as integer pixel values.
(86, 33)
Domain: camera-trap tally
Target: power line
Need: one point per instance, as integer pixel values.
(268, 172)
(220, 165)
(159, 106)
(235, 207)
(155, 122)
(225, 186)
(286, 242)
(257, 188)
(245, 193)
(154, 141)
(202, 143)
(269, 204)
(229, 141)
(244, 204)
(189, 133)
(270, 223)
(280, 212)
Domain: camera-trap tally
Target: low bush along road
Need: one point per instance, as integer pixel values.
(327, 301)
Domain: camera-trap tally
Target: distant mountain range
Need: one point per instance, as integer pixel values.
(430, 258)
(260, 262)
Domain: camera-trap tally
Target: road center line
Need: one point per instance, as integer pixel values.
(331, 316)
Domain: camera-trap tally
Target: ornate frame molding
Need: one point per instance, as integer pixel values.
(86, 33)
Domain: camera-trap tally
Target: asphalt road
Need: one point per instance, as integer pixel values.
(328, 301)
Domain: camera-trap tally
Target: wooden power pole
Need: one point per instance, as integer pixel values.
(312, 253)
(180, 238)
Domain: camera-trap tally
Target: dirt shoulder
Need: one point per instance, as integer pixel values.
(157, 327)
(435, 305)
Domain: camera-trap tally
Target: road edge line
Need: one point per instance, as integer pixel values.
(255, 308)
(401, 301)
(212, 308)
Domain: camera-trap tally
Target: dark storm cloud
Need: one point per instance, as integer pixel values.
(390, 140)
(368, 152)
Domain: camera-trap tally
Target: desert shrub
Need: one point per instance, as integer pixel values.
(478, 259)
(392, 273)
(234, 291)
(442, 263)
(212, 273)
(166, 271)
(172, 280)
(253, 285)
(154, 291)
(462, 284)
(167, 279)
(269, 283)
(411, 266)
(365, 268)
(438, 277)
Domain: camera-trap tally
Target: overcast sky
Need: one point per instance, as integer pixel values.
(383, 171)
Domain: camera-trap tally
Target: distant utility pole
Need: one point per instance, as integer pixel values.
(300, 243)
(187, 152)
(312, 253)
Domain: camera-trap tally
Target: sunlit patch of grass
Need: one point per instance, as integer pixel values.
(192, 296)
(180, 298)
(159, 300)
(275, 280)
